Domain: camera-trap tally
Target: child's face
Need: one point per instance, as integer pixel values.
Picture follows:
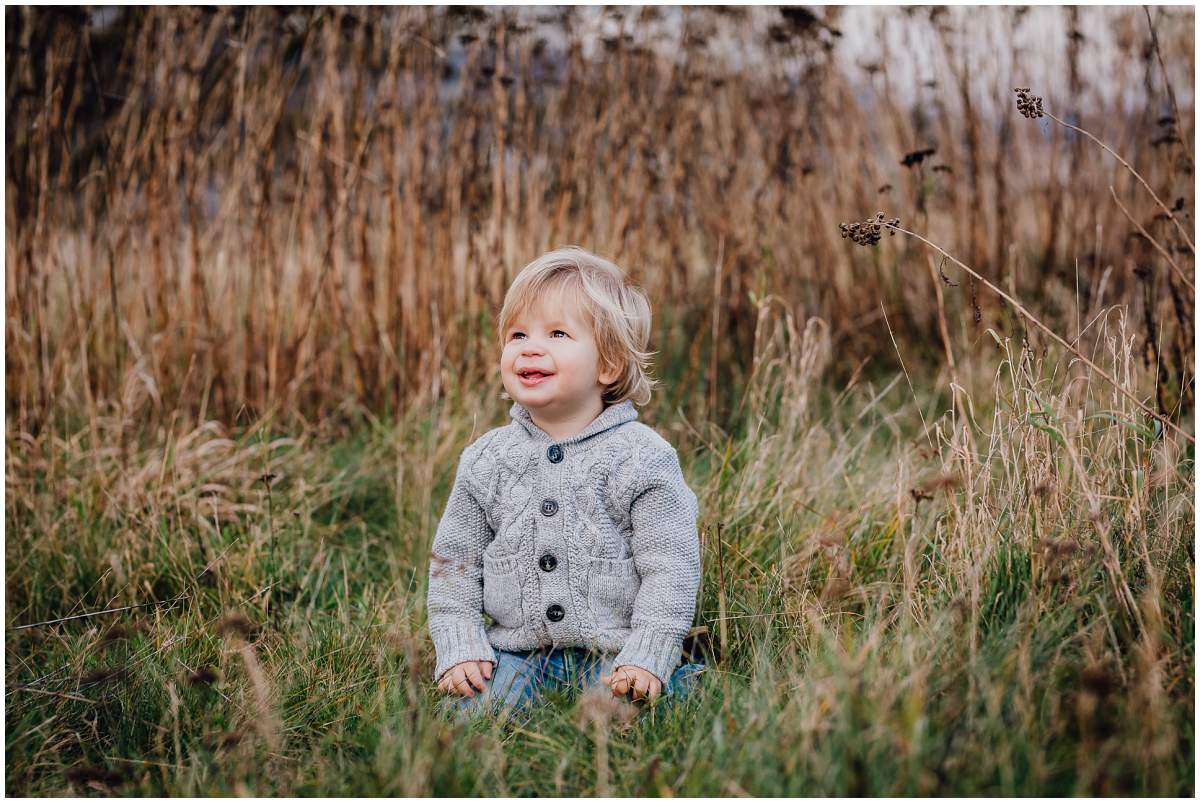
(553, 338)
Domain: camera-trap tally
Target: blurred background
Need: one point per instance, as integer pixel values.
(223, 210)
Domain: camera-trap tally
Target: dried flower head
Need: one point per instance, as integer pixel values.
(913, 158)
(869, 231)
(1027, 104)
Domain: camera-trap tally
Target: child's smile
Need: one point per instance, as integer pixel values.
(531, 378)
(551, 365)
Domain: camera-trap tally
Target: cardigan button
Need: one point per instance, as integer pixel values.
(549, 507)
(548, 562)
(555, 453)
(555, 613)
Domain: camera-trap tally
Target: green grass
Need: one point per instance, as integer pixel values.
(876, 645)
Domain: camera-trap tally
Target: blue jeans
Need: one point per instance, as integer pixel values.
(519, 677)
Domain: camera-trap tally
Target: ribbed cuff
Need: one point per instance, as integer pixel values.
(457, 642)
(655, 651)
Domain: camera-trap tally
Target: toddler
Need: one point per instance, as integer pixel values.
(572, 527)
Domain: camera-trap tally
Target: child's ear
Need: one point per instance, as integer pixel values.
(607, 374)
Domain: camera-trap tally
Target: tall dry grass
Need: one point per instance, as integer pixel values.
(221, 211)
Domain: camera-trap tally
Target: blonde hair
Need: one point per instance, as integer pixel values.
(618, 311)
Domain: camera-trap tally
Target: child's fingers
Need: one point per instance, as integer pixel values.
(474, 676)
(487, 669)
(460, 683)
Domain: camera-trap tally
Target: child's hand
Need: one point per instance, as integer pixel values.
(460, 678)
(625, 679)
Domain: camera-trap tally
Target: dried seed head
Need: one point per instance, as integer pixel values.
(914, 158)
(1027, 104)
(868, 231)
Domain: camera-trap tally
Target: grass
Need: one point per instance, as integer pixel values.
(973, 638)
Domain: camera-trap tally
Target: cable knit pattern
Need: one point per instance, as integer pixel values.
(589, 541)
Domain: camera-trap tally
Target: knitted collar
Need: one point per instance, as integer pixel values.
(613, 416)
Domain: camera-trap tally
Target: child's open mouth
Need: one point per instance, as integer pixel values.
(530, 377)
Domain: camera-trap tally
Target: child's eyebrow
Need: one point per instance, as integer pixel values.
(517, 324)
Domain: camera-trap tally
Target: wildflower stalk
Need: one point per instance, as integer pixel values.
(894, 226)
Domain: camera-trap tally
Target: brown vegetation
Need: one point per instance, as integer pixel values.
(214, 211)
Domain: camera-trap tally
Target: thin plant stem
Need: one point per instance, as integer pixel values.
(1136, 175)
(1029, 316)
(100, 613)
(1178, 271)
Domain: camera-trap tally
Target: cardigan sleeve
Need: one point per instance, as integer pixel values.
(454, 603)
(666, 554)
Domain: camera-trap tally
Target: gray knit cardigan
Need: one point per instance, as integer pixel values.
(585, 541)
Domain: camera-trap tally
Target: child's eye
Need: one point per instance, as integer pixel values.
(515, 334)
(559, 331)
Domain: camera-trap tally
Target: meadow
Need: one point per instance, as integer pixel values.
(252, 263)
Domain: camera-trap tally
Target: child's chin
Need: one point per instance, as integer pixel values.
(534, 400)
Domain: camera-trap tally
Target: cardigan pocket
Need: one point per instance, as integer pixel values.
(502, 590)
(612, 587)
